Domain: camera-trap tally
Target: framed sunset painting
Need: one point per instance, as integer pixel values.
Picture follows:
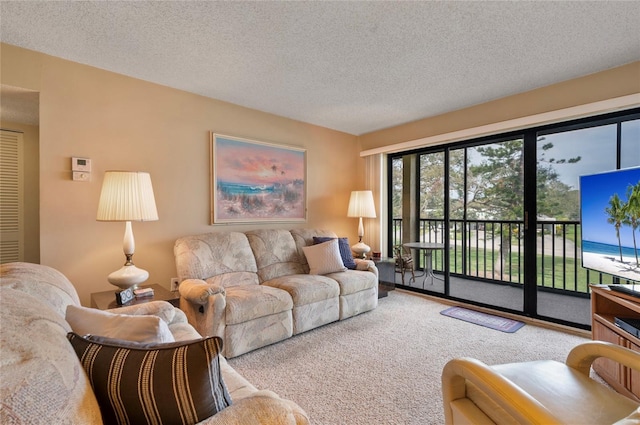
(256, 181)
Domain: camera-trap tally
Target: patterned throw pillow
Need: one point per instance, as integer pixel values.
(345, 250)
(137, 383)
(324, 258)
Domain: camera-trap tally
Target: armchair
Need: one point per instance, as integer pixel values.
(538, 392)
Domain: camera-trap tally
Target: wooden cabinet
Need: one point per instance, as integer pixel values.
(606, 305)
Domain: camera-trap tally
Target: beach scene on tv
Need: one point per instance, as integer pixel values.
(256, 181)
(610, 218)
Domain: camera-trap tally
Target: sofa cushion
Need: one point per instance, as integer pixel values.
(324, 258)
(213, 254)
(306, 289)
(228, 280)
(91, 321)
(250, 302)
(263, 407)
(560, 388)
(345, 250)
(275, 252)
(177, 383)
(353, 281)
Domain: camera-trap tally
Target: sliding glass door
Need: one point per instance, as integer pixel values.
(500, 214)
(486, 223)
(564, 154)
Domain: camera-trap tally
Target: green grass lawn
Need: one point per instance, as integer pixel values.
(552, 273)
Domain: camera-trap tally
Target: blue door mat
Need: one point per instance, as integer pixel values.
(483, 319)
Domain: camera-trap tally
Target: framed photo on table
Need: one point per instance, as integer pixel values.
(253, 181)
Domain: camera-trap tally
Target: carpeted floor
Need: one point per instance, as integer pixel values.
(384, 366)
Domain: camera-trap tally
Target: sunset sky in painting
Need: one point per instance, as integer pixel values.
(251, 163)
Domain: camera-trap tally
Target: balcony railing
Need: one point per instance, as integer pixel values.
(493, 250)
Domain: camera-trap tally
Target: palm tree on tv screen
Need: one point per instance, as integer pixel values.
(616, 216)
(632, 213)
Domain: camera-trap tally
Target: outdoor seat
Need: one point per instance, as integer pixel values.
(404, 262)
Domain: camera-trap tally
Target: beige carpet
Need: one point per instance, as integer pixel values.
(383, 367)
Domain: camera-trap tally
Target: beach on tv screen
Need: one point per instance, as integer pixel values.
(610, 222)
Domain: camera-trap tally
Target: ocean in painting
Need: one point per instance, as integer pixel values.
(244, 189)
(259, 201)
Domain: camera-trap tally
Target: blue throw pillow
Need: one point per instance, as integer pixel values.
(345, 250)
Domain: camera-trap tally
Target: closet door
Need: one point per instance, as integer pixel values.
(11, 197)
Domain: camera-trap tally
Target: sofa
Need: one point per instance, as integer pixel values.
(262, 286)
(42, 380)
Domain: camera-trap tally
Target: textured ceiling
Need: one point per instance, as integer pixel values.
(351, 66)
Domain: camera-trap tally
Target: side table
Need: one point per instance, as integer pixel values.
(427, 248)
(107, 299)
(386, 275)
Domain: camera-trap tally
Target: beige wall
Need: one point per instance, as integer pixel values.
(128, 124)
(30, 137)
(616, 82)
(124, 123)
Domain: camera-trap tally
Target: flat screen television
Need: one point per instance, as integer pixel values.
(608, 243)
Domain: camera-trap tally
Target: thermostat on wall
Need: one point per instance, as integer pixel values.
(81, 164)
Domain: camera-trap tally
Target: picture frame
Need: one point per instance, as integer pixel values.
(254, 181)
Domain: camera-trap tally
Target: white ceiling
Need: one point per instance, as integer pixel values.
(350, 66)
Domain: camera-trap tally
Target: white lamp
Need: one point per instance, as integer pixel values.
(127, 196)
(361, 205)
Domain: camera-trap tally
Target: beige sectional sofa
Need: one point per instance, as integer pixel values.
(255, 288)
(42, 381)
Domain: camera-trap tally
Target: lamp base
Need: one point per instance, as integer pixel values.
(128, 276)
(360, 250)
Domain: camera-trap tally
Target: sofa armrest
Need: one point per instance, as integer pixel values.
(204, 305)
(262, 408)
(198, 291)
(366, 265)
(510, 397)
(582, 356)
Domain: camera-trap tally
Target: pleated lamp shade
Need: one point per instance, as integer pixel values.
(361, 204)
(127, 196)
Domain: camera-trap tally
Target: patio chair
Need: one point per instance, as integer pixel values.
(404, 262)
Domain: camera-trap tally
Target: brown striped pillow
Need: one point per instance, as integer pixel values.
(137, 383)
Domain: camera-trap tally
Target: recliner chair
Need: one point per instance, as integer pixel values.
(538, 392)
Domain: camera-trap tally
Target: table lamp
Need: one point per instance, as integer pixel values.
(127, 196)
(361, 205)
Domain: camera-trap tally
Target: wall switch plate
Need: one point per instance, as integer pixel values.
(174, 284)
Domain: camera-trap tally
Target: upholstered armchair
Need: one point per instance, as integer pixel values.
(538, 392)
